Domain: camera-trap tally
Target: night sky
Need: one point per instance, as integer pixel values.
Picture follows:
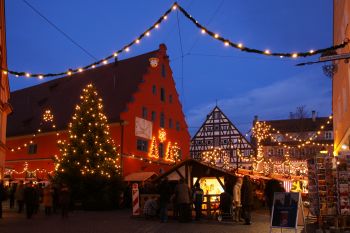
(243, 85)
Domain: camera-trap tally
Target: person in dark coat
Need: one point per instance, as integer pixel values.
(19, 196)
(272, 186)
(247, 199)
(29, 199)
(12, 195)
(183, 201)
(198, 201)
(55, 199)
(3, 196)
(64, 200)
(165, 194)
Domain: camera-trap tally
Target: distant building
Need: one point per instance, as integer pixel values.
(5, 108)
(296, 140)
(140, 101)
(218, 132)
(341, 78)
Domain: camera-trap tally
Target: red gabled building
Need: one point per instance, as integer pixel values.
(141, 104)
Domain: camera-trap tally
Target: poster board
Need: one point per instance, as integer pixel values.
(285, 210)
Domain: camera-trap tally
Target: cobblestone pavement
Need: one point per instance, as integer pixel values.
(120, 221)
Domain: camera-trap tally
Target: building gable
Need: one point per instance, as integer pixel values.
(219, 132)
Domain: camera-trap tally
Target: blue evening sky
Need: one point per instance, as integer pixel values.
(242, 84)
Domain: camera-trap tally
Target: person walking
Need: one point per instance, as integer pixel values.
(3, 196)
(183, 200)
(19, 196)
(237, 199)
(48, 200)
(37, 198)
(12, 192)
(64, 198)
(247, 199)
(55, 198)
(165, 194)
(272, 186)
(198, 201)
(29, 199)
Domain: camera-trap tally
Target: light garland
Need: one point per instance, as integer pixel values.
(153, 151)
(215, 156)
(204, 31)
(262, 131)
(10, 171)
(162, 135)
(47, 117)
(150, 161)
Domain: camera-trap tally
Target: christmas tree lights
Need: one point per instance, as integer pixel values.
(89, 148)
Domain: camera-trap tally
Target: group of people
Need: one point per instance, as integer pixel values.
(238, 200)
(30, 196)
(181, 197)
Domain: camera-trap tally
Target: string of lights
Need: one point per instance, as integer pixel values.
(10, 171)
(47, 118)
(244, 48)
(263, 131)
(310, 139)
(147, 33)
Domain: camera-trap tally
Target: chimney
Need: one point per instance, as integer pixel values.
(255, 119)
(291, 115)
(116, 61)
(313, 114)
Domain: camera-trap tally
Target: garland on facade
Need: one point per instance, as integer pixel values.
(204, 30)
(47, 117)
(262, 131)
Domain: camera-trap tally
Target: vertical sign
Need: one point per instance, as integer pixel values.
(135, 200)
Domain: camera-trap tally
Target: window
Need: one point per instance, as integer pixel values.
(170, 98)
(153, 117)
(142, 145)
(154, 89)
(280, 151)
(216, 115)
(216, 127)
(270, 152)
(161, 150)
(279, 138)
(170, 123)
(208, 142)
(328, 135)
(144, 112)
(162, 94)
(177, 126)
(32, 149)
(162, 120)
(163, 71)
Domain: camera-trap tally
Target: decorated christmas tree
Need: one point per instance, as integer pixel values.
(89, 162)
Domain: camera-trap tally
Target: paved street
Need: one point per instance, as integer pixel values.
(120, 221)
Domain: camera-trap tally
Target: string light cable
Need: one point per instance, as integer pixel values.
(204, 30)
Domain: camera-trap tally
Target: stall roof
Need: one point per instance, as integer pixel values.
(140, 176)
(198, 168)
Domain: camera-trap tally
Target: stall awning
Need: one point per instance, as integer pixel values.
(140, 176)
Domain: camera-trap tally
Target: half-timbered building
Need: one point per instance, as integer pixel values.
(220, 134)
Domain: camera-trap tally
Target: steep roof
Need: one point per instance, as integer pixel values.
(301, 125)
(115, 83)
